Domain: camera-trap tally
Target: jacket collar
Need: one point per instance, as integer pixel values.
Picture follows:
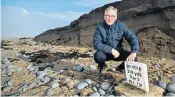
(109, 26)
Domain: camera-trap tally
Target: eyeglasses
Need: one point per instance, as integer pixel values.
(110, 16)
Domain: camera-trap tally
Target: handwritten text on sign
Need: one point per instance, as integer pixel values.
(137, 75)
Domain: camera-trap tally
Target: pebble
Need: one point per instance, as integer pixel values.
(94, 89)
(98, 85)
(6, 61)
(61, 71)
(4, 81)
(88, 81)
(10, 73)
(36, 69)
(173, 78)
(29, 66)
(32, 68)
(26, 56)
(79, 58)
(48, 92)
(9, 66)
(171, 87)
(47, 69)
(105, 85)
(56, 80)
(170, 94)
(70, 84)
(39, 83)
(2, 71)
(54, 63)
(19, 68)
(93, 68)
(45, 79)
(95, 94)
(101, 92)
(42, 66)
(53, 84)
(86, 68)
(15, 94)
(123, 81)
(41, 74)
(111, 96)
(78, 68)
(75, 82)
(10, 82)
(7, 88)
(81, 85)
(158, 65)
(4, 66)
(161, 84)
(123, 96)
(65, 80)
(51, 75)
(32, 85)
(3, 75)
(75, 96)
(23, 87)
(48, 64)
(163, 58)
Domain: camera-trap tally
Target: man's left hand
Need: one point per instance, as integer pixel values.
(131, 57)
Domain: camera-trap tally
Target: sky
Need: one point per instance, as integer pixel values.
(29, 18)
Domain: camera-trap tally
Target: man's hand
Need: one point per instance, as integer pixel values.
(115, 53)
(131, 57)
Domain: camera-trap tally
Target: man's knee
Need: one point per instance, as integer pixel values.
(99, 56)
(125, 54)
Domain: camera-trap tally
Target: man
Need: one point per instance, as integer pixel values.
(108, 38)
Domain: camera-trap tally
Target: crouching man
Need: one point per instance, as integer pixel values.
(108, 38)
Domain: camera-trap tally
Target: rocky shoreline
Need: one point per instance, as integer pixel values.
(30, 68)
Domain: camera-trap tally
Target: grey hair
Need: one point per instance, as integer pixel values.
(111, 8)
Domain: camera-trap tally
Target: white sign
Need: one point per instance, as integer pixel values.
(137, 75)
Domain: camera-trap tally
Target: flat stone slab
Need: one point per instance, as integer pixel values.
(137, 74)
(129, 90)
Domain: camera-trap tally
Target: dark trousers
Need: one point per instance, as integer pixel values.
(101, 57)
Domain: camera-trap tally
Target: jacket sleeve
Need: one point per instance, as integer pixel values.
(97, 42)
(131, 38)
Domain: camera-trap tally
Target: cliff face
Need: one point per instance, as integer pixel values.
(136, 14)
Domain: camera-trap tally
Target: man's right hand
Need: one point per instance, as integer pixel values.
(115, 53)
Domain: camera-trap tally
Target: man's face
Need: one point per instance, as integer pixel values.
(110, 17)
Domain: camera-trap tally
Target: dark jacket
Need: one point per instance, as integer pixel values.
(107, 37)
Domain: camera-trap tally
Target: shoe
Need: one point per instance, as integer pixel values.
(102, 69)
(121, 68)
